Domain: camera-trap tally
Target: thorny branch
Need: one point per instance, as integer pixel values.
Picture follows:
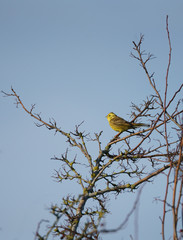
(167, 117)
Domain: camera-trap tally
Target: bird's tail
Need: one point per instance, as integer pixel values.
(141, 125)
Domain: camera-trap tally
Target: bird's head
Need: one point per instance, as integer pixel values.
(110, 116)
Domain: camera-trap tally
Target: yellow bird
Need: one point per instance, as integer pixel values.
(120, 125)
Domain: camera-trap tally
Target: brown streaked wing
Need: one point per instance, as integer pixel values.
(119, 122)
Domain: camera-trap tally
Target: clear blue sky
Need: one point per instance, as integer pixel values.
(71, 58)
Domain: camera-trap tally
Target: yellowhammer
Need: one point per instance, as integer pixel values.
(120, 125)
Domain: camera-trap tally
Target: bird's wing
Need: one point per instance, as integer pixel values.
(120, 121)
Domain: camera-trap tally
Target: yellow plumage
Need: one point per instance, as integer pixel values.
(120, 125)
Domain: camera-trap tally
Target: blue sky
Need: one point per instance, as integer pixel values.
(72, 59)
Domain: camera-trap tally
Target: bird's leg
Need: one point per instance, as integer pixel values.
(130, 131)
